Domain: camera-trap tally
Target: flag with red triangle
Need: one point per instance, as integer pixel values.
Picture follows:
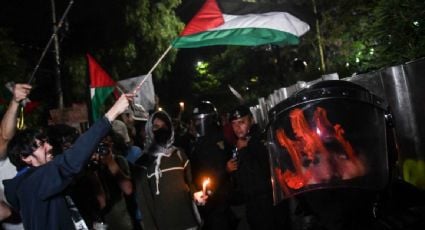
(101, 86)
(224, 22)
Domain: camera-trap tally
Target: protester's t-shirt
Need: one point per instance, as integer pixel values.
(8, 171)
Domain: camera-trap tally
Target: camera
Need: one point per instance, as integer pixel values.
(102, 149)
(235, 153)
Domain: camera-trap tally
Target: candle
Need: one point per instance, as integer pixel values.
(204, 186)
(181, 106)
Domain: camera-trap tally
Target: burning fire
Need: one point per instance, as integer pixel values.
(313, 161)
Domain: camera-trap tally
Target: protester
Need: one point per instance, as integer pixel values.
(8, 218)
(37, 190)
(101, 191)
(164, 187)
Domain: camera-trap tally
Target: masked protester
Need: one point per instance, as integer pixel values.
(164, 189)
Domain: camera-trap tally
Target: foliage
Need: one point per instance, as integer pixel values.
(357, 36)
(143, 33)
(12, 66)
(360, 36)
(127, 37)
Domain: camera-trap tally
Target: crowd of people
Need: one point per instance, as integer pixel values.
(207, 173)
(211, 172)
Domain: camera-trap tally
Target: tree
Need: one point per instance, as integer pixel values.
(362, 35)
(142, 30)
(127, 37)
(357, 36)
(12, 66)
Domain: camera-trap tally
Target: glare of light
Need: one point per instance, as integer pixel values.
(416, 23)
(347, 64)
(357, 60)
(371, 51)
(159, 108)
(181, 104)
(253, 79)
(318, 131)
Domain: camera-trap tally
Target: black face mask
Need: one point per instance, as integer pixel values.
(161, 136)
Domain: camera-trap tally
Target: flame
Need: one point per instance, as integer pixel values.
(312, 162)
(205, 184)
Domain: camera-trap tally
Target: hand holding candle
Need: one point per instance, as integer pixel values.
(201, 197)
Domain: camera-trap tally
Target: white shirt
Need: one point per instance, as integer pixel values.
(7, 171)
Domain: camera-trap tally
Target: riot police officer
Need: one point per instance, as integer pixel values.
(208, 158)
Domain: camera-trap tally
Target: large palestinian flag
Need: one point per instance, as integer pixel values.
(101, 86)
(224, 22)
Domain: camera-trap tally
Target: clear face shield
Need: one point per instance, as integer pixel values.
(203, 123)
(328, 138)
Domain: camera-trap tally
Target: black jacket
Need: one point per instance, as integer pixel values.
(253, 175)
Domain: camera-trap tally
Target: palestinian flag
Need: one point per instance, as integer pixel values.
(221, 22)
(101, 86)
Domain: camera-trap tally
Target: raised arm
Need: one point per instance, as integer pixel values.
(77, 156)
(8, 123)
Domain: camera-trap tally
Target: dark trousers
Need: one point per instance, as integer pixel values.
(263, 215)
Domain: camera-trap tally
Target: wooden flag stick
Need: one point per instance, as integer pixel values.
(152, 69)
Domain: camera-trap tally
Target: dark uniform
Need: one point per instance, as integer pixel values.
(208, 159)
(252, 180)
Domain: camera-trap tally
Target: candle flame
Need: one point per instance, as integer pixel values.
(206, 182)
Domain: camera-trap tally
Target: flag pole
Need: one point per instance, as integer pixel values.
(88, 96)
(319, 39)
(55, 33)
(152, 69)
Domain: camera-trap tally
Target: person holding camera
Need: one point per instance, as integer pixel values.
(113, 183)
(38, 189)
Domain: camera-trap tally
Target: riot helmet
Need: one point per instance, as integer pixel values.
(330, 135)
(204, 118)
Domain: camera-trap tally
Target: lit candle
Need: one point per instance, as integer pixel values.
(204, 186)
(181, 106)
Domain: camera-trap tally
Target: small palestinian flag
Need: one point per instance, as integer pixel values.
(241, 23)
(101, 86)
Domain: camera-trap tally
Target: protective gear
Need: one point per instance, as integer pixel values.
(322, 138)
(239, 112)
(205, 118)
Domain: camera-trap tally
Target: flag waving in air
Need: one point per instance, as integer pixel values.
(221, 22)
(101, 86)
(144, 101)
